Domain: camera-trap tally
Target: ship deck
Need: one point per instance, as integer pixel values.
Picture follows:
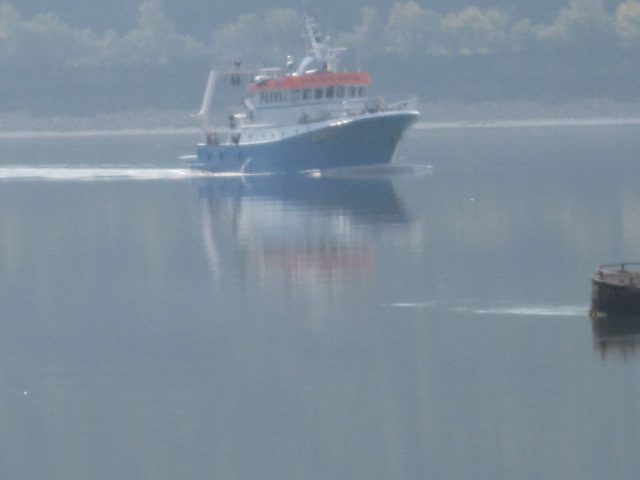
(621, 277)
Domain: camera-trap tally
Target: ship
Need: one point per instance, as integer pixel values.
(308, 117)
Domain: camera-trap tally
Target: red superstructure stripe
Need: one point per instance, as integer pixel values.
(313, 80)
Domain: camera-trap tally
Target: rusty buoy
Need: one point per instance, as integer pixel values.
(616, 290)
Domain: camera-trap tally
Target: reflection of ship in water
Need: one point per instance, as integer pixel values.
(616, 336)
(308, 230)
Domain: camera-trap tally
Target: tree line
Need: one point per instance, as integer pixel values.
(407, 30)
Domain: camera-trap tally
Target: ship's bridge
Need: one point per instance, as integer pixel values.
(310, 96)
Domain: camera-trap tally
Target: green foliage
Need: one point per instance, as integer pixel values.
(264, 38)
(585, 50)
(260, 39)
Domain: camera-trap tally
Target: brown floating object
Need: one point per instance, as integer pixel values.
(616, 290)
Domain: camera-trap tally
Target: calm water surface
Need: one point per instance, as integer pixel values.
(427, 322)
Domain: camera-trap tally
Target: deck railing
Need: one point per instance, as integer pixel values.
(620, 267)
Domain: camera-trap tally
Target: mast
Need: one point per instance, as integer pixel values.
(204, 113)
(318, 48)
(324, 57)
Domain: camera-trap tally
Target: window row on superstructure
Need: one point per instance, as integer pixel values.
(309, 94)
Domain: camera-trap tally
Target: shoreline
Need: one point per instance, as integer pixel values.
(426, 125)
(434, 115)
(134, 132)
(550, 122)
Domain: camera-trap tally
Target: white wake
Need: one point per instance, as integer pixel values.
(530, 310)
(68, 173)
